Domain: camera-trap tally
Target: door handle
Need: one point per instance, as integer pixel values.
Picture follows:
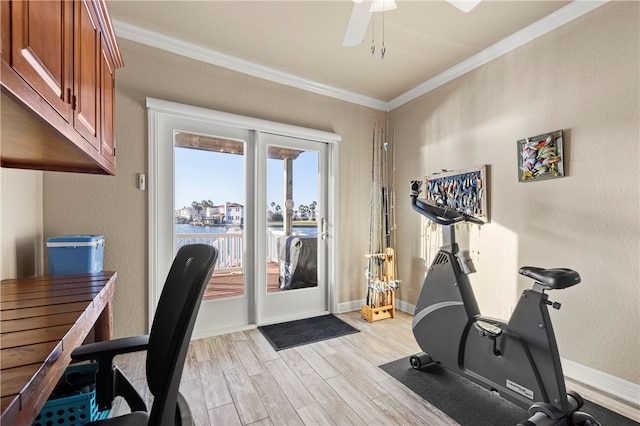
(323, 233)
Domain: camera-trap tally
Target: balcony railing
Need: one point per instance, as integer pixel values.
(230, 248)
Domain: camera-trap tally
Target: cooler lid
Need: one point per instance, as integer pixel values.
(76, 240)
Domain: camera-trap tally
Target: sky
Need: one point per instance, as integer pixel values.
(205, 175)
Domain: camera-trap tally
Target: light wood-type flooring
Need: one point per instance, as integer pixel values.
(238, 379)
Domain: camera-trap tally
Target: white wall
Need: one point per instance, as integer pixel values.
(21, 239)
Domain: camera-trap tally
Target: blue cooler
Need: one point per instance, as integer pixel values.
(75, 254)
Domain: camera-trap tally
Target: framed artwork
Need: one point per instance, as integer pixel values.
(463, 190)
(540, 157)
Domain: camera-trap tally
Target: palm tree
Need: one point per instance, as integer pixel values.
(303, 210)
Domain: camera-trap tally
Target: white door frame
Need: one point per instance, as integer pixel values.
(159, 112)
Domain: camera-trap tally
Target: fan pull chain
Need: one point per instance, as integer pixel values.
(373, 36)
(384, 49)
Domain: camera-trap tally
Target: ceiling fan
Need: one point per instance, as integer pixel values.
(363, 9)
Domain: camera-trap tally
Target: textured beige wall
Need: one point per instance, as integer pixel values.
(583, 78)
(21, 248)
(114, 207)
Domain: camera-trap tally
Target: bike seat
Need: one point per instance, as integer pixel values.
(555, 278)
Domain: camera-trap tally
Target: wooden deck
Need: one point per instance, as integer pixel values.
(232, 284)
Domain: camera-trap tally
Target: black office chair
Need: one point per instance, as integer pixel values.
(166, 347)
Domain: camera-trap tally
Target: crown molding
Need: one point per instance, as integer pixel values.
(539, 28)
(150, 38)
(214, 57)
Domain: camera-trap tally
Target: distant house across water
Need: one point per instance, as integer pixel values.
(224, 214)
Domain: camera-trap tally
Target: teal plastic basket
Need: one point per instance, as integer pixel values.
(72, 410)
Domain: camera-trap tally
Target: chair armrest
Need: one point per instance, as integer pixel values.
(110, 381)
(108, 349)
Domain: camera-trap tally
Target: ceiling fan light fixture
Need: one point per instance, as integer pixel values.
(383, 5)
(464, 5)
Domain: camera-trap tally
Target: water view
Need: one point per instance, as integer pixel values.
(185, 228)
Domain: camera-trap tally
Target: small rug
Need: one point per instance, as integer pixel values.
(472, 405)
(301, 332)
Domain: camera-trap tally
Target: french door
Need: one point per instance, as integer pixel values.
(167, 185)
(258, 191)
(293, 172)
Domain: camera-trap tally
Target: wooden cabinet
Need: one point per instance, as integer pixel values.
(44, 58)
(58, 86)
(86, 66)
(108, 108)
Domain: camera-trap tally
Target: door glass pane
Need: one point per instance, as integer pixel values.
(292, 228)
(209, 205)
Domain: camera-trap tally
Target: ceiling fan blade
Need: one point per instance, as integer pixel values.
(358, 23)
(464, 5)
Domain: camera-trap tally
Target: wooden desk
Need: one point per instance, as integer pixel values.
(41, 321)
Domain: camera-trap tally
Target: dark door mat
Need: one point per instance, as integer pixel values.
(472, 405)
(301, 332)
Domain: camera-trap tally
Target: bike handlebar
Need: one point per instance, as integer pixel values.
(438, 214)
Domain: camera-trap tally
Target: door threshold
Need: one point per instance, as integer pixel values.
(220, 331)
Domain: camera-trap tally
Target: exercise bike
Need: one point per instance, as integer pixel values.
(518, 359)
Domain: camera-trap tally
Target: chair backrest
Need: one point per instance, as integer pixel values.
(173, 325)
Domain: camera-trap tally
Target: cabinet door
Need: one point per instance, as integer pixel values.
(5, 30)
(41, 49)
(107, 107)
(86, 79)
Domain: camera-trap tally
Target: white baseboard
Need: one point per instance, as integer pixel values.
(351, 306)
(612, 385)
(403, 306)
